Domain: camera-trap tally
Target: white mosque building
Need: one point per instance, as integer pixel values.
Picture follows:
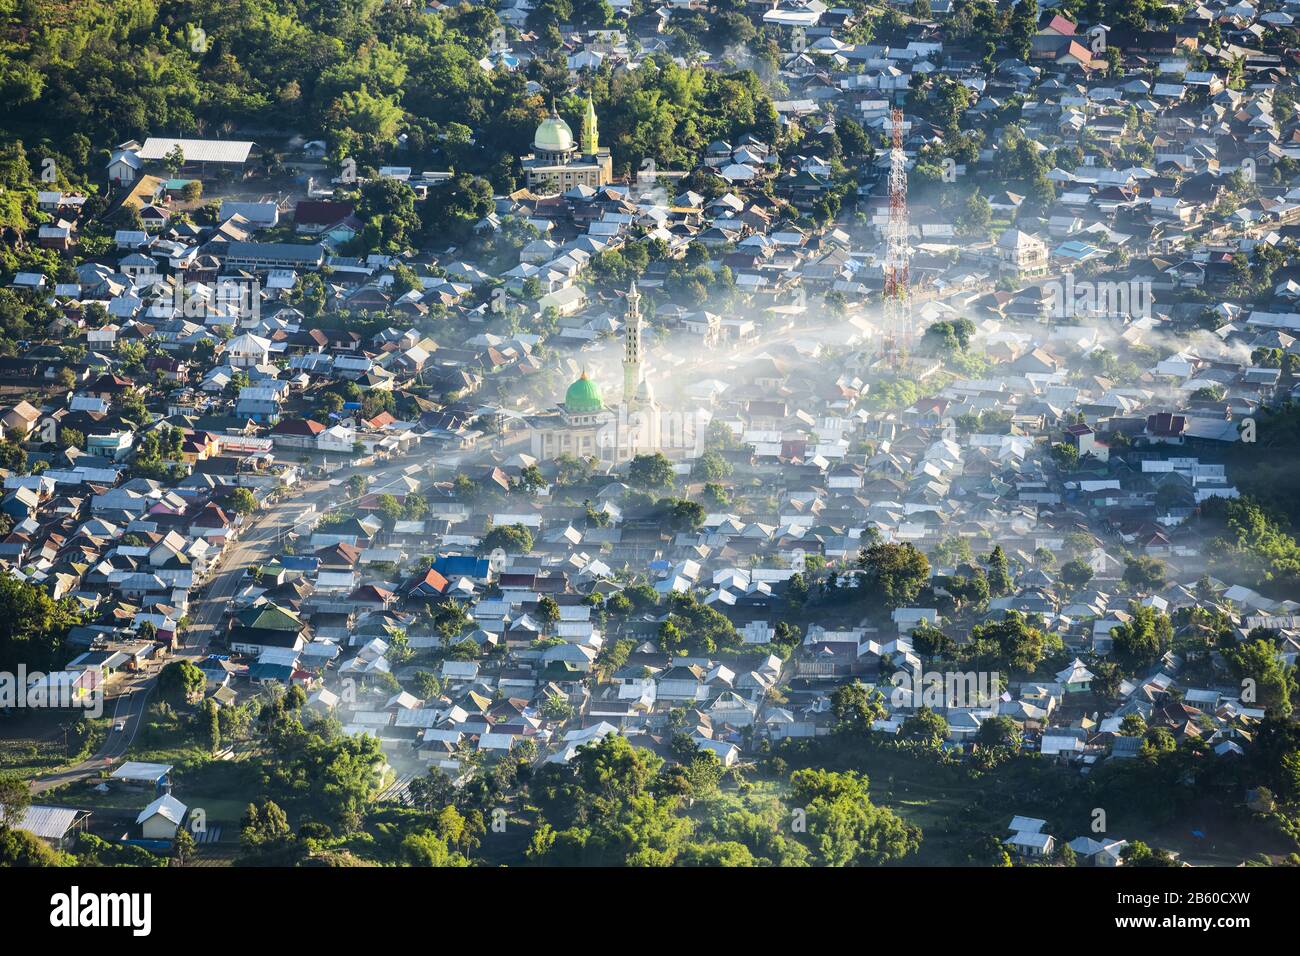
(585, 427)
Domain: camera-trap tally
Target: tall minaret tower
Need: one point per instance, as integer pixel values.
(632, 347)
(590, 136)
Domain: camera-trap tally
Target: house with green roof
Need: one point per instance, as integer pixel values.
(266, 625)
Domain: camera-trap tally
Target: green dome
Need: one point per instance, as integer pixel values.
(583, 397)
(553, 136)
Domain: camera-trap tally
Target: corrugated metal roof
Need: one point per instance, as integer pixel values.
(167, 806)
(197, 150)
(49, 823)
(142, 772)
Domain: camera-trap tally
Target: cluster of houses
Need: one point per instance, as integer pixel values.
(238, 360)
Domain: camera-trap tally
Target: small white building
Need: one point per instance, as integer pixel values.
(1027, 838)
(248, 351)
(162, 818)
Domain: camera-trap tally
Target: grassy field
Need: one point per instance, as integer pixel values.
(33, 741)
(221, 786)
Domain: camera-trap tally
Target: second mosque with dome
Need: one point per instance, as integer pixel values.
(558, 163)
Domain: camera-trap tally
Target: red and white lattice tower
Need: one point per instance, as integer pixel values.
(897, 331)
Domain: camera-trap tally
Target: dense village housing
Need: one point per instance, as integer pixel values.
(885, 412)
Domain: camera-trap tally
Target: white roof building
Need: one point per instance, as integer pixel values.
(196, 150)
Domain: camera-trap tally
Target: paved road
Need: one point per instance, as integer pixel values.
(259, 542)
(128, 708)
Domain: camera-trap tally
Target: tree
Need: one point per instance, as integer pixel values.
(1140, 641)
(1272, 681)
(650, 471)
(977, 214)
(715, 496)
(1107, 678)
(948, 337)
(671, 637)
(12, 456)
(557, 708)
(414, 507)
(464, 488)
(242, 501)
(1145, 574)
(426, 685)
(999, 574)
(183, 846)
(404, 280)
(926, 726)
(548, 611)
(18, 848)
(454, 207)
(1137, 853)
(796, 590)
(1024, 23)
(682, 514)
(211, 723)
(174, 159)
(855, 708)
(390, 509)
(711, 466)
(997, 732)
(932, 643)
(33, 627)
(844, 827)
(510, 538)
(1066, 456)
(972, 591)
(387, 212)
(1009, 643)
(264, 831)
(531, 479)
(71, 438)
(320, 772)
(180, 681)
(15, 798)
(642, 596)
(431, 791)
(609, 806)
(429, 848)
(1133, 725)
(895, 572)
(1076, 573)
(573, 471)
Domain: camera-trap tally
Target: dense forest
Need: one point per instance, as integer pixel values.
(378, 82)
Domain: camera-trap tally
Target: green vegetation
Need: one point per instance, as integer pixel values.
(33, 628)
(513, 539)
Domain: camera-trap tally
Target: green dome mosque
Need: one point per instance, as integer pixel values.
(561, 160)
(583, 397)
(553, 135)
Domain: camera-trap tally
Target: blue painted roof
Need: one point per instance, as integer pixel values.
(461, 565)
